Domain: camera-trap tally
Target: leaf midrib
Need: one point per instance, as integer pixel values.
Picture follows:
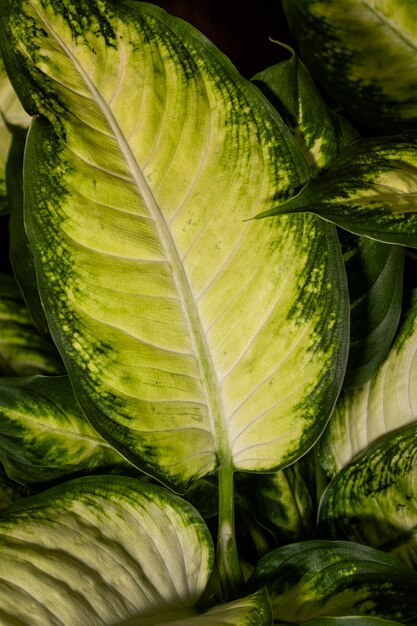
(201, 348)
(390, 25)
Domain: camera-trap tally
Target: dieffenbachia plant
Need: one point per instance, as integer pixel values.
(199, 344)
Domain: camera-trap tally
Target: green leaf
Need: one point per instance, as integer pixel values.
(383, 404)
(363, 53)
(21, 256)
(44, 435)
(23, 351)
(374, 499)
(183, 325)
(375, 279)
(283, 502)
(370, 190)
(327, 578)
(318, 131)
(12, 116)
(100, 551)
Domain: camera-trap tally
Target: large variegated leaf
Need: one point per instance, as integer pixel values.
(383, 404)
(101, 551)
(11, 115)
(331, 578)
(374, 499)
(370, 190)
(44, 435)
(363, 53)
(318, 131)
(375, 280)
(23, 351)
(183, 325)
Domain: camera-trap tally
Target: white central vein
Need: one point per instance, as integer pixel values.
(201, 348)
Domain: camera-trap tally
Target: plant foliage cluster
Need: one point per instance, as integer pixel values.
(208, 392)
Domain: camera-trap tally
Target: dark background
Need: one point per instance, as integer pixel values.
(241, 31)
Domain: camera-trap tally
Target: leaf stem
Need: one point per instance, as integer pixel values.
(230, 573)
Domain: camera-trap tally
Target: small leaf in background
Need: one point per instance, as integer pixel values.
(318, 131)
(100, 551)
(23, 351)
(45, 437)
(363, 53)
(374, 499)
(370, 190)
(283, 502)
(10, 490)
(375, 279)
(383, 404)
(138, 245)
(21, 256)
(12, 115)
(327, 578)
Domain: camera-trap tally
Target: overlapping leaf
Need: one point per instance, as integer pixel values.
(370, 190)
(374, 499)
(374, 269)
(383, 404)
(326, 578)
(12, 115)
(23, 351)
(101, 551)
(375, 279)
(44, 435)
(182, 324)
(363, 53)
(318, 131)
(21, 256)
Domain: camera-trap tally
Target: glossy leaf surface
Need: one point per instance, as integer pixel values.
(375, 279)
(101, 551)
(383, 404)
(374, 499)
(21, 256)
(325, 578)
(319, 133)
(140, 233)
(363, 53)
(370, 190)
(44, 436)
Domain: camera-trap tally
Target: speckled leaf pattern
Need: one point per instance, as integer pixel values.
(375, 279)
(11, 115)
(23, 351)
(183, 324)
(44, 435)
(374, 499)
(363, 53)
(370, 190)
(100, 551)
(327, 578)
(383, 404)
